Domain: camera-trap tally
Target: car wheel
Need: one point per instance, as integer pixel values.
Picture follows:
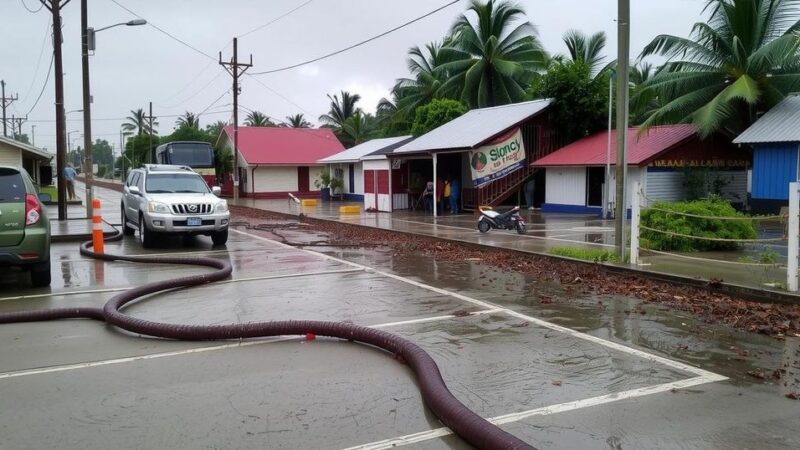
(146, 237)
(483, 226)
(40, 274)
(220, 237)
(126, 230)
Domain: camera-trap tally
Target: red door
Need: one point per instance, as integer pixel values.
(302, 178)
(369, 181)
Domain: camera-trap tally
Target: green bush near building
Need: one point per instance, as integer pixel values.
(665, 217)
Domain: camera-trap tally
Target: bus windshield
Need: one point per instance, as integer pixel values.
(197, 155)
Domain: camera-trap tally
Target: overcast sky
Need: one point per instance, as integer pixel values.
(135, 65)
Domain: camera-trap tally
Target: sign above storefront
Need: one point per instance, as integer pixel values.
(702, 163)
(504, 155)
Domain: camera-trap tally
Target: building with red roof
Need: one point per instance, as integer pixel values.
(274, 162)
(659, 159)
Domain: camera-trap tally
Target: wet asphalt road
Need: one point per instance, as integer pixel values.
(627, 380)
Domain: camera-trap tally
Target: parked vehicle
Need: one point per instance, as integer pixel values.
(24, 226)
(509, 220)
(167, 199)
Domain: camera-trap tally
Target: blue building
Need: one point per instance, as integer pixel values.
(775, 140)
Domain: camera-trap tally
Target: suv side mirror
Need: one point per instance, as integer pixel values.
(216, 191)
(134, 190)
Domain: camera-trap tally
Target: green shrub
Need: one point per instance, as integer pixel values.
(693, 226)
(586, 254)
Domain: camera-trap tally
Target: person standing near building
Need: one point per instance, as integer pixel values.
(446, 195)
(529, 189)
(69, 177)
(454, 193)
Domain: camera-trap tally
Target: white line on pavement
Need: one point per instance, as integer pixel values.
(543, 411)
(85, 365)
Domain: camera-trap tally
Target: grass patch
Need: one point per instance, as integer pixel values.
(586, 254)
(51, 190)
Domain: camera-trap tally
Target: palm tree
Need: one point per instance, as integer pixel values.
(215, 129)
(358, 128)
(340, 110)
(426, 83)
(188, 120)
(488, 62)
(258, 119)
(588, 49)
(137, 122)
(297, 121)
(741, 62)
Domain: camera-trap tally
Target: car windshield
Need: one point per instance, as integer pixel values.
(12, 187)
(163, 183)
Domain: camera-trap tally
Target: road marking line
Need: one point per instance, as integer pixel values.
(540, 322)
(235, 280)
(248, 343)
(422, 436)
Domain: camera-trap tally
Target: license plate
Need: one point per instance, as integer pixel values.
(194, 221)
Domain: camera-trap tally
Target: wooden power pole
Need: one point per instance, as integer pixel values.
(236, 69)
(54, 6)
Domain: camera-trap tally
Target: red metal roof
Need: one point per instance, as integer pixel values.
(591, 150)
(285, 146)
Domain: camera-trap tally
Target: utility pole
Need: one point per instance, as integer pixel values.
(16, 125)
(54, 6)
(623, 50)
(87, 114)
(150, 149)
(4, 102)
(33, 135)
(236, 69)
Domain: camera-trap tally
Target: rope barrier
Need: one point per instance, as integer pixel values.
(754, 218)
(695, 258)
(689, 236)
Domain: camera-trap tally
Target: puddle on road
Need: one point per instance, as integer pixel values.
(673, 334)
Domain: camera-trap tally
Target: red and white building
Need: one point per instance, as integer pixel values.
(274, 162)
(658, 159)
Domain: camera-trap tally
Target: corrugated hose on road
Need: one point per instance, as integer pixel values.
(471, 427)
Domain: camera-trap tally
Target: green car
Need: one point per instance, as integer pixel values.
(24, 226)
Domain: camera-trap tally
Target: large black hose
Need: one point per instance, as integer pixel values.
(474, 429)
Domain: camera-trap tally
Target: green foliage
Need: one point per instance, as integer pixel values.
(436, 113)
(742, 60)
(187, 133)
(694, 226)
(138, 149)
(491, 55)
(327, 179)
(580, 101)
(586, 254)
(101, 152)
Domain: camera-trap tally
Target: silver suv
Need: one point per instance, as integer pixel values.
(160, 199)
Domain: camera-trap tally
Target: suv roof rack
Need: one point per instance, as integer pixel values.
(166, 168)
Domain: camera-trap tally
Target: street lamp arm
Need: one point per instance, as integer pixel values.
(131, 23)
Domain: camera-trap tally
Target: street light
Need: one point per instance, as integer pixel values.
(87, 37)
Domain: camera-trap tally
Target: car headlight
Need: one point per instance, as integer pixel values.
(221, 207)
(156, 207)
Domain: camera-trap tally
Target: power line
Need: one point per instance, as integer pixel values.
(34, 11)
(197, 92)
(41, 52)
(213, 103)
(47, 78)
(320, 58)
(165, 32)
(274, 20)
(278, 94)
